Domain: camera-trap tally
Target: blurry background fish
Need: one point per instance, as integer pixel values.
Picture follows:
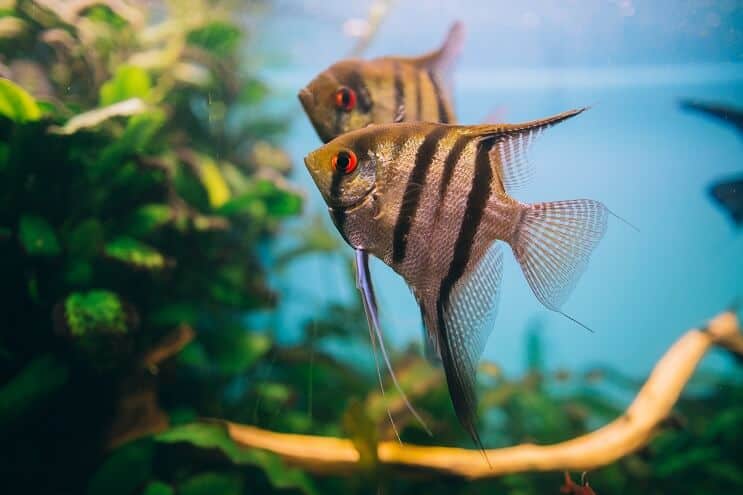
(729, 192)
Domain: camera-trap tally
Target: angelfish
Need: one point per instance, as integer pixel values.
(354, 93)
(432, 202)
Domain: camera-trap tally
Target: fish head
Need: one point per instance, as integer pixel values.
(344, 169)
(337, 100)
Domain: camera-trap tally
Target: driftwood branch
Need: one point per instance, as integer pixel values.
(628, 433)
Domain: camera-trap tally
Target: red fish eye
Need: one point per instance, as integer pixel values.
(345, 162)
(345, 99)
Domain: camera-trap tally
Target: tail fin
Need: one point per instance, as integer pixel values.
(553, 243)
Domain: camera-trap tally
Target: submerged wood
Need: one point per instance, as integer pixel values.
(626, 434)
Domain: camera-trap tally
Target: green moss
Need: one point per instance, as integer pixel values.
(94, 311)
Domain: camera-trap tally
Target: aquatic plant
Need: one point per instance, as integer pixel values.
(140, 179)
(142, 183)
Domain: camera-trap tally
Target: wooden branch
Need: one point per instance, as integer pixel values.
(625, 435)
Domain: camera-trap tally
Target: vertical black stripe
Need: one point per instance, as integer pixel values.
(338, 124)
(418, 96)
(477, 200)
(363, 97)
(413, 189)
(335, 183)
(451, 161)
(459, 377)
(339, 219)
(399, 89)
(443, 114)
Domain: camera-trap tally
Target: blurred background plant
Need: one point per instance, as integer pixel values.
(143, 188)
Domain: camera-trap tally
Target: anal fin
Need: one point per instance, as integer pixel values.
(466, 315)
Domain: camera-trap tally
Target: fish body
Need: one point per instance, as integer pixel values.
(431, 200)
(354, 93)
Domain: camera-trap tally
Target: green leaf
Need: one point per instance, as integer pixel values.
(219, 37)
(37, 236)
(264, 196)
(213, 181)
(149, 217)
(94, 311)
(174, 314)
(274, 395)
(128, 82)
(135, 253)
(158, 488)
(17, 104)
(141, 129)
(96, 117)
(104, 14)
(211, 484)
(237, 350)
(215, 436)
(34, 383)
(137, 138)
(194, 355)
(681, 461)
(86, 239)
(124, 471)
(253, 92)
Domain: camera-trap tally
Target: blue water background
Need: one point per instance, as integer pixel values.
(635, 150)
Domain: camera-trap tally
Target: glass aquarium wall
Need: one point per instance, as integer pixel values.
(182, 314)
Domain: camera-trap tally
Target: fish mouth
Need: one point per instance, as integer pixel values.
(306, 98)
(350, 207)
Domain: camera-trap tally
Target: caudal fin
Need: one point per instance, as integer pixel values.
(553, 243)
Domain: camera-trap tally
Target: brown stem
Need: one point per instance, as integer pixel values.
(628, 433)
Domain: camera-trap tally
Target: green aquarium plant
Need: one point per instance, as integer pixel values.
(141, 181)
(142, 189)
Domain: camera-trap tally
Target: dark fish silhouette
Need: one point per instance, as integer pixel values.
(727, 193)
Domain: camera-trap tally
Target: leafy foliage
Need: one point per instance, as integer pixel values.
(94, 310)
(134, 212)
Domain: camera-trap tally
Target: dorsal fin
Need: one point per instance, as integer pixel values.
(511, 142)
(440, 63)
(729, 194)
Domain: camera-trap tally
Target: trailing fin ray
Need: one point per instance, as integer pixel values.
(465, 322)
(364, 284)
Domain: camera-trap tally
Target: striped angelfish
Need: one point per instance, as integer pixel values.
(354, 93)
(432, 202)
